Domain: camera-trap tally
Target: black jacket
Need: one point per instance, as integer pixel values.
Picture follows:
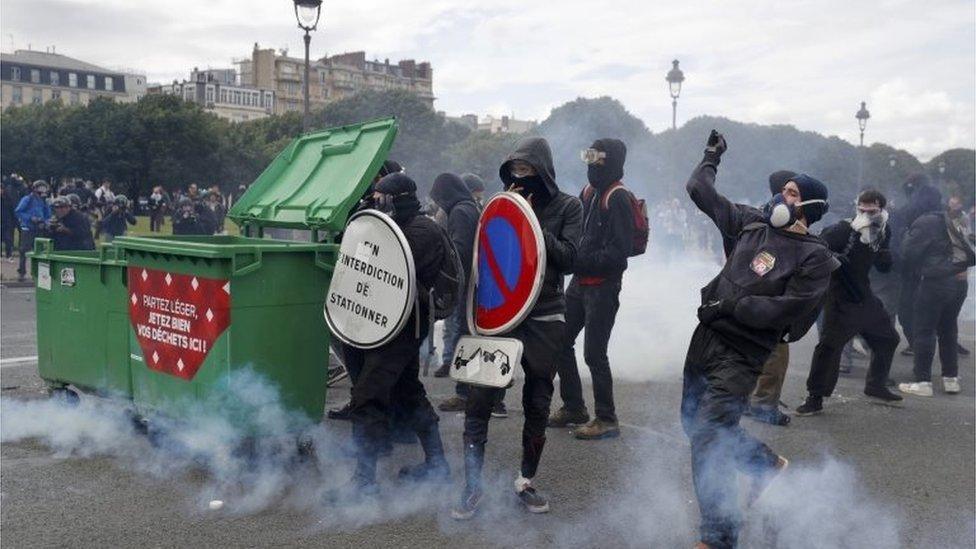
(74, 233)
(851, 282)
(423, 236)
(608, 235)
(774, 279)
(561, 220)
(190, 224)
(927, 248)
(462, 217)
(114, 221)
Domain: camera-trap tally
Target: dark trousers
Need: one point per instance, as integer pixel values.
(388, 385)
(595, 309)
(541, 342)
(717, 383)
(26, 245)
(937, 306)
(8, 242)
(842, 321)
(906, 306)
(156, 221)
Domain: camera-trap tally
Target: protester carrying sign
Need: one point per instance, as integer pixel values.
(529, 172)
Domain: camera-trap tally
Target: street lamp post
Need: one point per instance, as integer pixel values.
(862, 122)
(307, 13)
(675, 77)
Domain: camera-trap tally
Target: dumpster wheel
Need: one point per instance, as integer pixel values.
(65, 395)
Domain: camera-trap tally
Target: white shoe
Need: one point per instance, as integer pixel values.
(921, 388)
(951, 385)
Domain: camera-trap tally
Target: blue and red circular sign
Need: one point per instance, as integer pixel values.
(509, 264)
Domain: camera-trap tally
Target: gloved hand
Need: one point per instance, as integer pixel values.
(714, 148)
(712, 310)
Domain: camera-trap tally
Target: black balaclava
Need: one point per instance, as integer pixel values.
(612, 169)
(401, 197)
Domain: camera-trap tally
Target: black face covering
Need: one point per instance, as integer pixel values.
(533, 185)
(612, 169)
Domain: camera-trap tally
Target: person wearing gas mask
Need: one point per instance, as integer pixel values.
(592, 298)
(529, 172)
(852, 308)
(939, 254)
(770, 287)
(32, 213)
(477, 187)
(116, 217)
(70, 229)
(388, 382)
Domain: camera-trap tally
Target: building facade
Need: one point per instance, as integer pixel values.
(331, 78)
(35, 77)
(218, 92)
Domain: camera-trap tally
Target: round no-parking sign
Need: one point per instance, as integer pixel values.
(372, 292)
(509, 263)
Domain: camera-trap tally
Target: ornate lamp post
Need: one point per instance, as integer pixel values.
(862, 122)
(675, 77)
(307, 13)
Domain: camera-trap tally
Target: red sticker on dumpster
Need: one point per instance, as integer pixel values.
(177, 318)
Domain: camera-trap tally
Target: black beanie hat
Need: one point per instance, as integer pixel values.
(778, 180)
(612, 169)
(388, 167)
(473, 181)
(811, 189)
(396, 183)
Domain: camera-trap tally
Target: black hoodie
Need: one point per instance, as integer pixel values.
(560, 216)
(452, 195)
(608, 233)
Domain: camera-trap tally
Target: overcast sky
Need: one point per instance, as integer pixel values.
(805, 63)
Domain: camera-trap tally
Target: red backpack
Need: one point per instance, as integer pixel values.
(638, 208)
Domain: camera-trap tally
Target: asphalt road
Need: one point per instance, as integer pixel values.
(862, 475)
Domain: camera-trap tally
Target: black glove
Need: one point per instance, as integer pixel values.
(712, 310)
(714, 149)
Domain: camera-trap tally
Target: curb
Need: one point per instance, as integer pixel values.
(15, 284)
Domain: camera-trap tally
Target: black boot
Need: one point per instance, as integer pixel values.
(342, 413)
(435, 467)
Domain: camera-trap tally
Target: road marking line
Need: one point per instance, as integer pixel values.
(17, 361)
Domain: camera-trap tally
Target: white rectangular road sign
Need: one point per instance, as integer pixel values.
(486, 361)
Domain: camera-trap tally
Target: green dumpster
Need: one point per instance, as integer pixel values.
(82, 319)
(200, 309)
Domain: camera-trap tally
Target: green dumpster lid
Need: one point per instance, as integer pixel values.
(316, 181)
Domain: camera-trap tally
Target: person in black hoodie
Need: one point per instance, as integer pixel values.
(71, 229)
(117, 215)
(771, 287)
(852, 308)
(592, 298)
(388, 381)
(937, 253)
(529, 172)
(476, 185)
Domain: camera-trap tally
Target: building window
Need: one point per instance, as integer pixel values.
(223, 96)
(55, 94)
(109, 83)
(90, 81)
(36, 97)
(55, 78)
(15, 74)
(72, 80)
(36, 76)
(210, 94)
(17, 97)
(73, 98)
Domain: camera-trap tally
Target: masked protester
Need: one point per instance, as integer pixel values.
(592, 298)
(529, 172)
(852, 308)
(117, 215)
(939, 254)
(70, 229)
(771, 287)
(388, 382)
(32, 212)
(476, 185)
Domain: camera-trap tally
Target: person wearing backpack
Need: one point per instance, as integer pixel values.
(592, 298)
(529, 171)
(939, 254)
(388, 382)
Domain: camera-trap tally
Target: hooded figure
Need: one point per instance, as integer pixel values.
(476, 185)
(602, 174)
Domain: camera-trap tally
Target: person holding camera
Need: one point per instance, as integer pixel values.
(69, 228)
(116, 217)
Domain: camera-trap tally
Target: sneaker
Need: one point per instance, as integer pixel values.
(962, 350)
(499, 410)
(426, 472)
(770, 415)
(950, 385)
(443, 371)
(597, 429)
(453, 404)
(882, 393)
(908, 351)
(533, 501)
(761, 482)
(811, 406)
(469, 504)
(343, 413)
(921, 388)
(567, 418)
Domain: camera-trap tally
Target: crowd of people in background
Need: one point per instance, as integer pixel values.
(75, 213)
